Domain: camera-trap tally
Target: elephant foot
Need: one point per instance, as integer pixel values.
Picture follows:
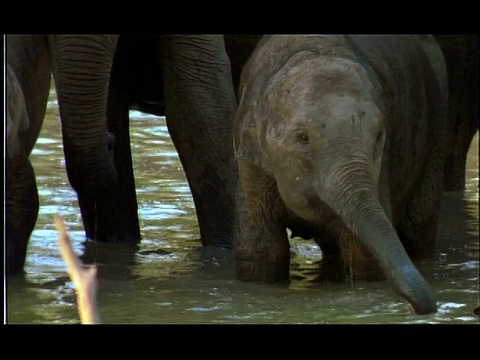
(346, 260)
(216, 221)
(116, 239)
(334, 269)
(16, 251)
(110, 222)
(263, 271)
(221, 242)
(109, 253)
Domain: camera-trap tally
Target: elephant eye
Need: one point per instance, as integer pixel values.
(302, 138)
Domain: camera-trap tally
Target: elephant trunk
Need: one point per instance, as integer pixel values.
(376, 231)
(82, 75)
(82, 65)
(360, 209)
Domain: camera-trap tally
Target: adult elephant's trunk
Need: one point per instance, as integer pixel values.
(81, 67)
(360, 209)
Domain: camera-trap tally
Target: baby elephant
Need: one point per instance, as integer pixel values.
(341, 139)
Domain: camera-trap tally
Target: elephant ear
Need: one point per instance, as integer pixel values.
(17, 115)
(267, 58)
(247, 123)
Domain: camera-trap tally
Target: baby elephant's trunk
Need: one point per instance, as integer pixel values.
(376, 231)
(367, 219)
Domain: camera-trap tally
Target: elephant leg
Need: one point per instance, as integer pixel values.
(463, 123)
(455, 161)
(118, 122)
(417, 228)
(262, 251)
(346, 259)
(461, 53)
(21, 211)
(357, 261)
(199, 107)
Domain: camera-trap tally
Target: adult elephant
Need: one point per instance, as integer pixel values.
(187, 78)
(239, 48)
(342, 139)
(27, 87)
(461, 54)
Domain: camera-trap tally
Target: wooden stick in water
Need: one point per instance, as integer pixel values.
(83, 278)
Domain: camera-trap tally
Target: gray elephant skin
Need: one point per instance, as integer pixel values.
(342, 139)
(98, 78)
(187, 78)
(27, 88)
(461, 53)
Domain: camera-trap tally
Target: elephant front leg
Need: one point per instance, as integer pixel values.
(261, 244)
(456, 158)
(118, 121)
(358, 263)
(418, 227)
(21, 212)
(199, 106)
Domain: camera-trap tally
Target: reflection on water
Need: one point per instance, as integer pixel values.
(169, 278)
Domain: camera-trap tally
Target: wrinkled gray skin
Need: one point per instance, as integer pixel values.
(148, 73)
(461, 53)
(341, 139)
(27, 88)
(187, 78)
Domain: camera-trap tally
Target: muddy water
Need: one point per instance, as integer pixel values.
(169, 279)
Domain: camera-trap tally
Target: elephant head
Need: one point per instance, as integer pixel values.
(318, 125)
